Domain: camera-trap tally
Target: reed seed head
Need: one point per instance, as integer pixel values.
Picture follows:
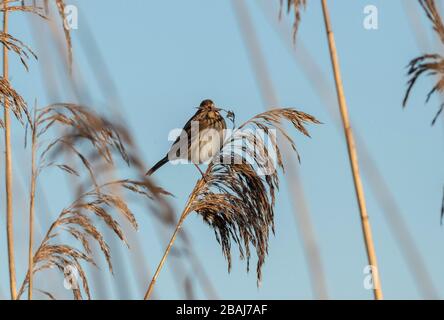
(234, 197)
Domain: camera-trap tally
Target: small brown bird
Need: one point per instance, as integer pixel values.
(201, 145)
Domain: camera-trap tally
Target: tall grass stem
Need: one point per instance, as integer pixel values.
(32, 205)
(8, 167)
(353, 156)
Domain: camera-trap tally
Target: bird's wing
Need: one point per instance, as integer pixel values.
(178, 143)
(187, 127)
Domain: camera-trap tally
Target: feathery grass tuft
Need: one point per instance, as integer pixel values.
(81, 125)
(236, 197)
(297, 6)
(14, 101)
(23, 51)
(429, 64)
(77, 220)
(79, 131)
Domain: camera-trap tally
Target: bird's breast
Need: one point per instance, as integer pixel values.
(207, 146)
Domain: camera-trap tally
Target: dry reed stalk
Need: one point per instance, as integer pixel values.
(296, 190)
(8, 166)
(377, 182)
(353, 156)
(233, 197)
(32, 202)
(170, 245)
(14, 102)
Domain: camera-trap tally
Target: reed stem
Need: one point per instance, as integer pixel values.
(8, 167)
(167, 251)
(353, 156)
(32, 207)
(183, 216)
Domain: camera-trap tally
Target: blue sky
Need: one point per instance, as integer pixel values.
(167, 56)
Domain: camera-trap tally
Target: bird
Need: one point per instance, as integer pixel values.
(201, 139)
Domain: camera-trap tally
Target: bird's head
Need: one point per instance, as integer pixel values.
(208, 105)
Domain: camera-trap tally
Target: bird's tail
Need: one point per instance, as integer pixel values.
(157, 166)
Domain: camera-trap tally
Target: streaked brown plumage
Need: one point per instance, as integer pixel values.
(211, 134)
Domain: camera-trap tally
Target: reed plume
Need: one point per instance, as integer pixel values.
(78, 131)
(236, 195)
(428, 64)
(76, 220)
(296, 6)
